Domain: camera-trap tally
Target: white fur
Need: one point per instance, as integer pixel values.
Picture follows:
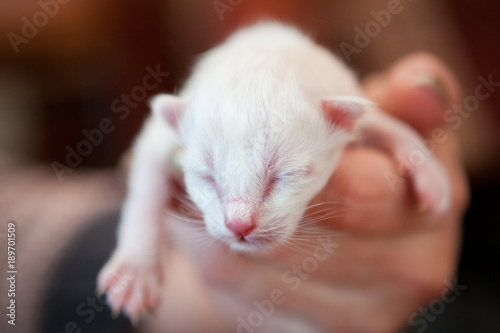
(256, 96)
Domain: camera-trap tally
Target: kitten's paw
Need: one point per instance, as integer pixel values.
(432, 186)
(130, 287)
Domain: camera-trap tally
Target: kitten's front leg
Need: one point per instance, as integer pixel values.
(132, 277)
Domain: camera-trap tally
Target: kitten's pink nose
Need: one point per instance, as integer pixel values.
(240, 228)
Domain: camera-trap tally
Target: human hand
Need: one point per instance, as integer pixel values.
(390, 258)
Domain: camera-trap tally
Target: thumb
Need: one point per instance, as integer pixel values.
(417, 89)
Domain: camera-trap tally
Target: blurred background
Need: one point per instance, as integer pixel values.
(74, 71)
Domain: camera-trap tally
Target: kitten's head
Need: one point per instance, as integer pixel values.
(252, 173)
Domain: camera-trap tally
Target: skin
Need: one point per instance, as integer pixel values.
(391, 258)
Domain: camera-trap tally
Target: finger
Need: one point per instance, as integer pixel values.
(417, 89)
(296, 289)
(368, 200)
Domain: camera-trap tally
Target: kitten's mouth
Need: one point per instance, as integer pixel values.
(252, 243)
(241, 239)
(260, 239)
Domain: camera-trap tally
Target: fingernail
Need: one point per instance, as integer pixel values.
(430, 81)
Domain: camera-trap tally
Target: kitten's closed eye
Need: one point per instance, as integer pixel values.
(209, 179)
(286, 179)
(295, 175)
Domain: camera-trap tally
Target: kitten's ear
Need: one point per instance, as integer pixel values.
(168, 108)
(343, 112)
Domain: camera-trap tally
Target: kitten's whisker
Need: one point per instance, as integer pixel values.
(311, 214)
(323, 203)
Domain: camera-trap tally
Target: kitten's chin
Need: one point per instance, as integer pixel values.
(253, 245)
